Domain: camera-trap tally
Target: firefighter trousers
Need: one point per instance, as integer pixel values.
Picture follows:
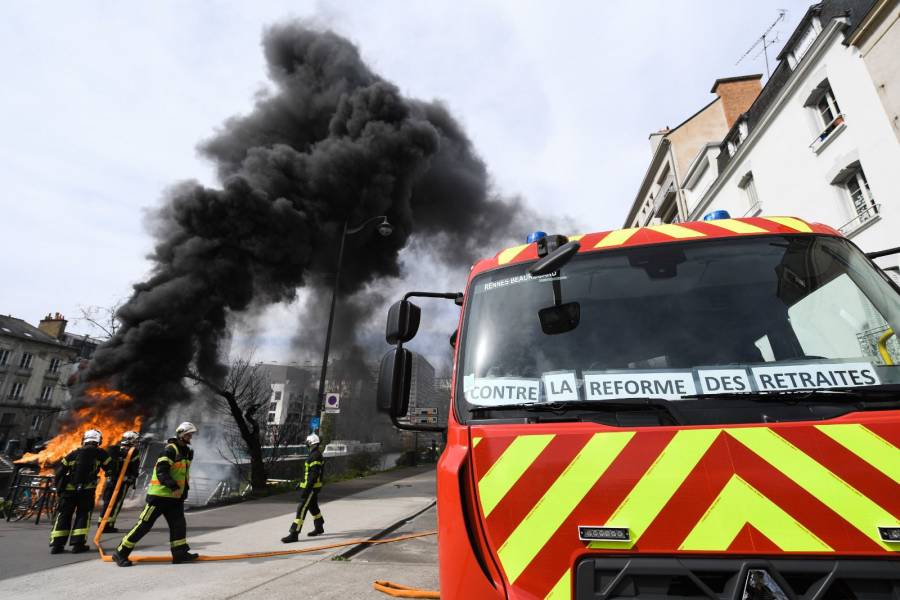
(73, 518)
(107, 496)
(170, 508)
(309, 503)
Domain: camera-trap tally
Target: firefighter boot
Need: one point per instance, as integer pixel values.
(181, 555)
(121, 557)
(79, 548)
(57, 549)
(110, 529)
(291, 537)
(320, 527)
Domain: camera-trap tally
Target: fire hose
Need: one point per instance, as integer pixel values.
(386, 587)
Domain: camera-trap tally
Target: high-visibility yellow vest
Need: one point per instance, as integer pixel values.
(178, 469)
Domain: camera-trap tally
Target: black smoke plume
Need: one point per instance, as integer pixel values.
(331, 143)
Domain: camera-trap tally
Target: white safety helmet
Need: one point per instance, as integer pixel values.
(92, 435)
(129, 438)
(186, 427)
(312, 440)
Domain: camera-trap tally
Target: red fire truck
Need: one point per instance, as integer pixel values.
(696, 410)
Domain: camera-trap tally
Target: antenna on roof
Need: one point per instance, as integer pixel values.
(766, 40)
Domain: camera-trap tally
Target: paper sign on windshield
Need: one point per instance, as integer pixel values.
(814, 376)
(501, 390)
(639, 384)
(724, 381)
(561, 387)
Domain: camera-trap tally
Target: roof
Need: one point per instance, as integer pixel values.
(17, 328)
(661, 234)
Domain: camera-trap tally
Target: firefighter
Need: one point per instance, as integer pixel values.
(309, 497)
(166, 494)
(118, 453)
(76, 482)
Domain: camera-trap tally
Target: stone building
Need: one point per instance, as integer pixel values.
(677, 152)
(34, 362)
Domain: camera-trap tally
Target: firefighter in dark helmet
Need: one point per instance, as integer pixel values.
(309, 497)
(118, 453)
(76, 483)
(166, 494)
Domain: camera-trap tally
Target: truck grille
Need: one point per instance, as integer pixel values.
(650, 578)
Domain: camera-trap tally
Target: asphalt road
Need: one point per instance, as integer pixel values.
(24, 546)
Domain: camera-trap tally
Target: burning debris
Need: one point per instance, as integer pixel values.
(332, 143)
(108, 410)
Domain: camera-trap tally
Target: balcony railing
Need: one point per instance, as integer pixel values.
(861, 219)
(830, 130)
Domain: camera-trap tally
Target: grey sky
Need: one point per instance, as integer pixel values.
(102, 104)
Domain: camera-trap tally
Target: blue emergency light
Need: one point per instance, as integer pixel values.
(535, 236)
(716, 215)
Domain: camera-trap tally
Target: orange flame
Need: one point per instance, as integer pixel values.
(107, 412)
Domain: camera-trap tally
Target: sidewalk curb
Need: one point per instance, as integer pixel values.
(354, 550)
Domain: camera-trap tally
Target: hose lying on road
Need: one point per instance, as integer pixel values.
(401, 591)
(163, 558)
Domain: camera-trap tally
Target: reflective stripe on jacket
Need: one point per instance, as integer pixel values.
(312, 470)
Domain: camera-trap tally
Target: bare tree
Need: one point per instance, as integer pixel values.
(102, 319)
(241, 394)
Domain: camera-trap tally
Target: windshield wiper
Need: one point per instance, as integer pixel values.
(621, 404)
(864, 396)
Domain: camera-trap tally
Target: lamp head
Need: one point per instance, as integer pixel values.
(385, 228)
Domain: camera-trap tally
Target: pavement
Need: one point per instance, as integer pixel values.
(354, 509)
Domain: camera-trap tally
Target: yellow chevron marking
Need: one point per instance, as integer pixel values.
(616, 238)
(509, 254)
(737, 226)
(575, 238)
(563, 588)
(740, 503)
(476, 441)
(659, 484)
(560, 500)
(504, 473)
(676, 231)
(831, 490)
(791, 222)
(867, 445)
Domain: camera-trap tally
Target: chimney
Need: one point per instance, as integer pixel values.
(737, 94)
(656, 137)
(53, 325)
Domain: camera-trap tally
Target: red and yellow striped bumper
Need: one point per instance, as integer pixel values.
(792, 488)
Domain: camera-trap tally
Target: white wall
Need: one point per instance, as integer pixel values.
(791, 179)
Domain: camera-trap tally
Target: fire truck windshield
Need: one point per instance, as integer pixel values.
(676, 321)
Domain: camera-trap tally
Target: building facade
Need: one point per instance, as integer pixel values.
(676, 153)
(820, 141)
(33, 366)
(878, 38)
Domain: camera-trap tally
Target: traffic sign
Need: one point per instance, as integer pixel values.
(332, 403)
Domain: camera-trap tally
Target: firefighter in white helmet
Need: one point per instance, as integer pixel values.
(165, 496)
(76, 480)
(118, 453)
(309, 497)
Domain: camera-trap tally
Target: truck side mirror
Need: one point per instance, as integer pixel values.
(402, 322)
(394, 379)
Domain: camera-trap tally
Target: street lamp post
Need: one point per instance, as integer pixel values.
(385, 229)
